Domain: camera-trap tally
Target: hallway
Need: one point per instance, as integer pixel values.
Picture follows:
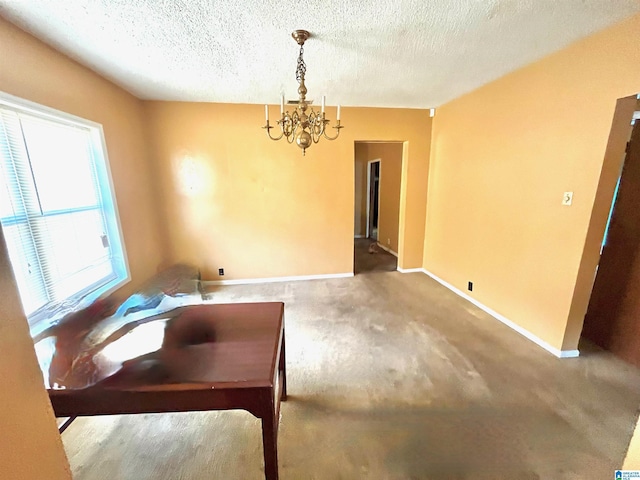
(365, 262)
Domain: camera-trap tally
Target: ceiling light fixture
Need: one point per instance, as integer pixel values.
(302, 127)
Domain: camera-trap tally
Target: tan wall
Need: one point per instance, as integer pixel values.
(390, 156)
(502, 157)
(360, 196)
(30, 445)
(259, 209)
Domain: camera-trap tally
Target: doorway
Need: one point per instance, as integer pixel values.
(377, 192)
(373, 198)
(612, 320)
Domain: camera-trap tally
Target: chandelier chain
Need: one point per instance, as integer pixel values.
(301, 69)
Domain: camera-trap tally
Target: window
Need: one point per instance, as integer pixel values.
(57, 209)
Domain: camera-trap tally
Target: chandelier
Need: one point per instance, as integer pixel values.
(301, 126)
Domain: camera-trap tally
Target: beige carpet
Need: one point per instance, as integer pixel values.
(390, 376)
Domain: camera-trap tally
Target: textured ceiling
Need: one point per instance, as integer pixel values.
(386, 53)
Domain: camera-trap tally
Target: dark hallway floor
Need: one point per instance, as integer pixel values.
(365, 262)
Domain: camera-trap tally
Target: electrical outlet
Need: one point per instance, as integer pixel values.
(221, 271)
(470, 286)
(388, 241)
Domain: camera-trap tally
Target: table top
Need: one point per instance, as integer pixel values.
(200, 346)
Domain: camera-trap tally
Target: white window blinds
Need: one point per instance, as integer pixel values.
(56, 209)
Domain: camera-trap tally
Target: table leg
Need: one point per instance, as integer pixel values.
(270, 443)
(282, 366)
(66, 424)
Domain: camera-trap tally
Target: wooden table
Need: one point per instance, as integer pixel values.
(243, 368)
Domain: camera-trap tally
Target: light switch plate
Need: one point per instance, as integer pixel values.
(567, 198)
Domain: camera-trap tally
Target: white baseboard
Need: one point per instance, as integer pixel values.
(410, 270)
(386, 249)
(245, 281)
(522, 331)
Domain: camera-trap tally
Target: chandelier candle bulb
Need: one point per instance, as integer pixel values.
(282, 105)
(323, 99)
(338, 115)
(266, 113)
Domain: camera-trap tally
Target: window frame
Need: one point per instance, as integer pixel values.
(41, 319)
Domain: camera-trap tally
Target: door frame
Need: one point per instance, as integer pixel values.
(369, 163)
(609, 175)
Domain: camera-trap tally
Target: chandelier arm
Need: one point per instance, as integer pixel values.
(318, 131)
(337, 127)
(268, 128)
(292, 135)
(318, 123)
(287, 125)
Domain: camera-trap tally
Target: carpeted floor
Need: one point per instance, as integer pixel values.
(391, 376)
